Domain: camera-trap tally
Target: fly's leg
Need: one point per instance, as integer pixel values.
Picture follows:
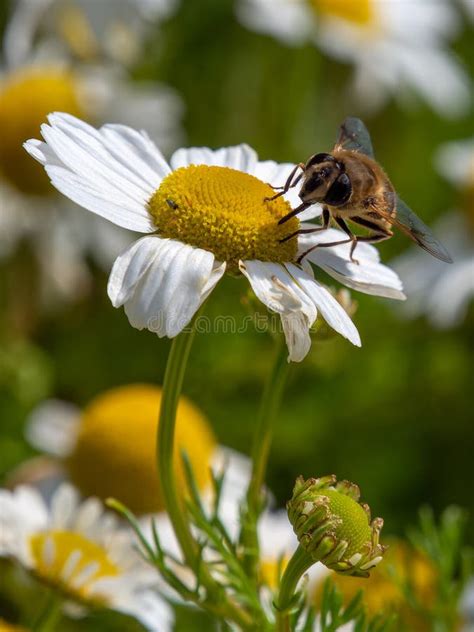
(380, 234)
(306, 231)
(290, 182)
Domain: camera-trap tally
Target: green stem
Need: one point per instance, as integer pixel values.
(269, 407)
(50, 615)
(216, 602)
(297, 566)
(270, 404)
(172, 386)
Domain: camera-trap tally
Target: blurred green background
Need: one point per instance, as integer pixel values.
(394, 416)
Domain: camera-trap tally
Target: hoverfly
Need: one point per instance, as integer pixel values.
(351, 185)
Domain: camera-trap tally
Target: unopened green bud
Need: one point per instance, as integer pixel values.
(333, 527)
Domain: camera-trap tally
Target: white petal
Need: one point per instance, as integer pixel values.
(279, 292)
(22, 512)
(164, 292)
(332, 312)
(289, 21)
(19, 36)
(70, 565)
(276, 288)
(110, 205)
(52, 427)
(85, 574)
(310, 213)
(87, 155)
(42, 152)
(363, 251)
(112, 171)
(455, 161)
(367, 276)
(88, 516)
(129, 268)
(451, 294)
(297, 336)
(137, 152)
(63, 506)
(149, 607)
(240, 157)
(276, 535)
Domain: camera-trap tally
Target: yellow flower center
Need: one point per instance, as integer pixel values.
(115, 451)
(25, 100)
(360, 12)
(224, 211)
(354, 527)
(71, 562)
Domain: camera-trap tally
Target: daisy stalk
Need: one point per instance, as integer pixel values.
(50, 615)
(172, 386)
(216, 601)
(262, 439)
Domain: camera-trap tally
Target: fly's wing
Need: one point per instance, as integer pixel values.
(417, 230)
(354, 136)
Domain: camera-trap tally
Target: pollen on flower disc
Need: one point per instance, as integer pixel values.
(224, 211)
(115, 451)
(26, 98)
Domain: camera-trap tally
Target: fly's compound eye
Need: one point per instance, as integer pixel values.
(312, 183)
(319, 158)
(340, 191)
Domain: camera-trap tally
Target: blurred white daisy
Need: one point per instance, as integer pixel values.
(77, 549)
(442, 292)
(206, 213)
(396, 46)
(88, 30)
(108, 449)
(30, 209)
(468, 8)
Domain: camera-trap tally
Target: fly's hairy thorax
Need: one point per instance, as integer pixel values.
(372, 191)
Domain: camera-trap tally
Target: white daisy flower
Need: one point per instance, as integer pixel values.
(29, 207)
(77, 549)
(107, 449)
(468, 7)
(395, 46)
(444, 293)
(83, 29)
(204, 213)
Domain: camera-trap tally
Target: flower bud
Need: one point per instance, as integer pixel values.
(333, 527)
